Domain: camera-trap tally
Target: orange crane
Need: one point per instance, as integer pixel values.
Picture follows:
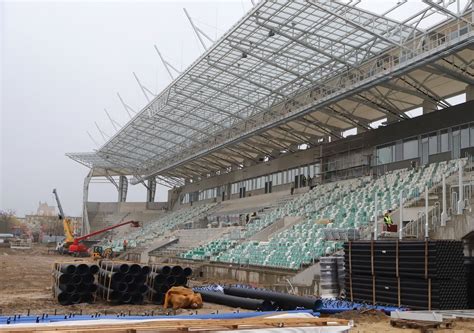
(73, 245)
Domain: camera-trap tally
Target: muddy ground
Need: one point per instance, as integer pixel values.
(25, 284)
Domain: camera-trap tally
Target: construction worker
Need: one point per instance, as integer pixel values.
(125, 243)
(387, 219)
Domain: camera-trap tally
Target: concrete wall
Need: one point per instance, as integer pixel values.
(123, 207)
(257, 275)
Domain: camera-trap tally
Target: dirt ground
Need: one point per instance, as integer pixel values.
(25, 284)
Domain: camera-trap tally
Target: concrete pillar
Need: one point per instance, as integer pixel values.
(151, 190)
(469, 92)
(375, 217)
(86, 228)
(444, 213)
(400, 224)
(426, 214)
(122, 189)
(429, 106)
(461, 190)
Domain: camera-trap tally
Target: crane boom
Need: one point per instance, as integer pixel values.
(78, 239)
(60, 208)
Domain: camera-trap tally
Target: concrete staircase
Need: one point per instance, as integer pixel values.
(280, 225)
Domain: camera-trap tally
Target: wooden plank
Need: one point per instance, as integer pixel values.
(204, 324)
(415, 315)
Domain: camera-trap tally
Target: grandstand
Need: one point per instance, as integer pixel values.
(296, 123)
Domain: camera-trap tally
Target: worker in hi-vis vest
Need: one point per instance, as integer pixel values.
(387, 218)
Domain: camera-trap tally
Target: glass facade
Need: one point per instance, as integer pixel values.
(386, 154)
(449, 140)
(410, 149)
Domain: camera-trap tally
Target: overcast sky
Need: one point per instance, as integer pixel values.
(63, 63)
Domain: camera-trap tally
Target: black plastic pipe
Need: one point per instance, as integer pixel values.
(63, 278)
(187, 271)
(176, 270)
(66, 268)
(236, 302)
(82, 269)
(135, 269)
(285, 301)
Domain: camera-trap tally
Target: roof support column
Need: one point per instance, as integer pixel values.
(86, 227)
(429, 106)
(469, 92)
(151, 190)
(122, 189)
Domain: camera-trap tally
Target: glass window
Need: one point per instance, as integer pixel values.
(465, 137)
(472, 135)
(433, 143)
(385, 154)
(444, 141)
(410, 149)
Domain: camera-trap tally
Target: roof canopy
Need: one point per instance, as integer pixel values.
(271, 68)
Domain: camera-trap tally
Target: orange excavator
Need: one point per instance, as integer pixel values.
(74, 245)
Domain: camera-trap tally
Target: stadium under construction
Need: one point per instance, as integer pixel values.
(316, 148)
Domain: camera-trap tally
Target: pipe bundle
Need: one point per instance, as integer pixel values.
(332, 276)
(74, 283)
(123, 283)
(162, 278)
(416, 274)
(469, 266)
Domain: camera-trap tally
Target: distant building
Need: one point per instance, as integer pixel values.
(45, 210)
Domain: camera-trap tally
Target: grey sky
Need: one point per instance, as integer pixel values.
(62, 64)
